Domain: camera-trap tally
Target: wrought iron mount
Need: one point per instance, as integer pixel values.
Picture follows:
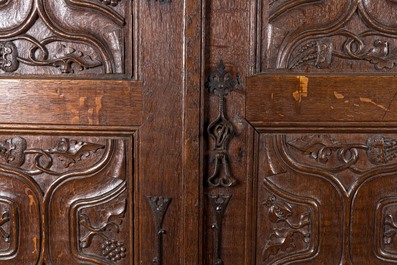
(221, 83)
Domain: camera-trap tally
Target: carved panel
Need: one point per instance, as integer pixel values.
(329, 35)
(78, 183)
(290, 229)
(347, 177)
(65, 37)
(101, 231)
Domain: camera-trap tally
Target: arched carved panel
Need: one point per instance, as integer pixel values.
(355, 179)
(328, 36)
(88, 37)
(71, 197)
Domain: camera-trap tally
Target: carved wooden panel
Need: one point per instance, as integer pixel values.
(65, 199)
(348, 177)
(328, 35)
(85, 37)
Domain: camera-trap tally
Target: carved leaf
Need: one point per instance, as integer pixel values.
(72, 151)
(318, 147)
(68, 56)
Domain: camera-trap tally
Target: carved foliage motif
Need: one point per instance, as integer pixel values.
(79, 185)
(342, 159)
(68, 151)
(379, 149)
(291, 229)
(111, 216)
(48, 36)
(386, 230)
(330, 33)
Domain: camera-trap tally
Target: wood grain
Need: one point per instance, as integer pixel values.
(71, 102)
(321, 100)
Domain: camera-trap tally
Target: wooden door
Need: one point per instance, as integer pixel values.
(311, 167)
(198, 132)
(68, 140)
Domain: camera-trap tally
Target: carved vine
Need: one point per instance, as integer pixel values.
(221, 83)
(286, 234)
(316, 46)
(67, 58)
(112, 249)
(13, 152)
(380, 150)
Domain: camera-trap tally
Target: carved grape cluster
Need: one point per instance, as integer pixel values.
(113, 250)
(110, 2)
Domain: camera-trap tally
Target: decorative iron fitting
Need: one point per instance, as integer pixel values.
(219, 204)
(221, 83)
(159, 206)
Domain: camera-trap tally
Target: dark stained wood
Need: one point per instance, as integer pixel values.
(227, 38)
(192, 135)
(160, 153)
(110, 132)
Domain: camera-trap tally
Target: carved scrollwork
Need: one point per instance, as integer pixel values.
(346, 165)
(292, 229)
(221, 83)
(354, 31)
(380, 150)
(14, 151)
(65, 45)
